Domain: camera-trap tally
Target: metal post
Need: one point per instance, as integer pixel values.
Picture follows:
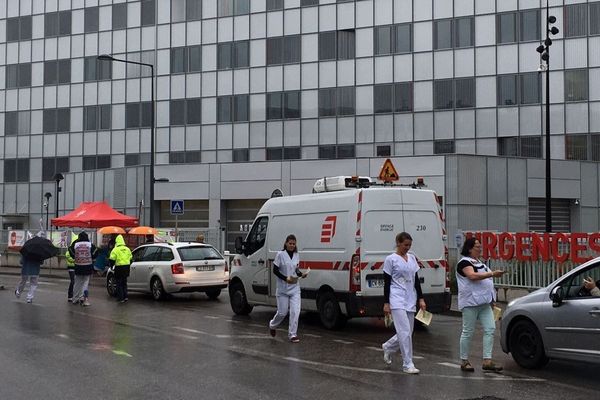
(152, 151)
(548, 164)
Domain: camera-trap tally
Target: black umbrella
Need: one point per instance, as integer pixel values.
(39, 249)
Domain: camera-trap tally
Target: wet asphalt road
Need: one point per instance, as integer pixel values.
(191, 348)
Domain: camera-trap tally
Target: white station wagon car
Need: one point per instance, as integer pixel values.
(165, 268)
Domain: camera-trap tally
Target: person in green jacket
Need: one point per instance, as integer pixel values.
(120, 257)
(71, 268)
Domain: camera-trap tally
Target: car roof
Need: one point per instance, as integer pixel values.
(176, 244)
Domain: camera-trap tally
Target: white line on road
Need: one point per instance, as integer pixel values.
(375, 348)
(311, 335)
(62, 336)
(211, 317)
(242, 336)
(447, 364)
(191, 330)
(342, 341)
(47, 283)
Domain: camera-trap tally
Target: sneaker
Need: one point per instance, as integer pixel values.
(272, 332)
(410, 370)
(387, 356)
(466, 366)
(491, 366)
(30, 300)
(70, 300)
(17, 293)
(123, 301)
(85, 303)
(295, 339)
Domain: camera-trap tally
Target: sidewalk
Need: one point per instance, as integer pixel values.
(51, 273)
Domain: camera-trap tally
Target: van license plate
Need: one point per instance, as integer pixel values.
(205, 268)
(376, 283)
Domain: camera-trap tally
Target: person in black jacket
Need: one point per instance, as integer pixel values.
(83, 253)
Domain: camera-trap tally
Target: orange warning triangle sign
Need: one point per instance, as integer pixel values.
(388, 172)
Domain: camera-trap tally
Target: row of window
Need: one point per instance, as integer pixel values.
(577, 147)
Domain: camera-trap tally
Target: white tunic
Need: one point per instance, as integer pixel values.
(475, 293)
(403, 294)
(287, 267)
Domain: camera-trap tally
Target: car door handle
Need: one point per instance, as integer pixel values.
(595, 312)
(261, 262)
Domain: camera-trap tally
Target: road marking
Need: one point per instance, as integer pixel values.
(342, 341)
(447, 364)
(47, 283)
(232, 321)
(375, 348)
(191, 331)
(242, 336)
(257, 325)
(311, 335)
(211, 317)
(122, 353)
(418, 357)
(62, 336)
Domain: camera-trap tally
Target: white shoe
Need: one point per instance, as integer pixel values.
(411, 370)
(387, 356)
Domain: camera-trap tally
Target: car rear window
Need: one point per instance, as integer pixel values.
(194, 253)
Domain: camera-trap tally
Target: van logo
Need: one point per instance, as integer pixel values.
(328, 229)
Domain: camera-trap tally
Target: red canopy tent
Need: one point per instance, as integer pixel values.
(95, 214)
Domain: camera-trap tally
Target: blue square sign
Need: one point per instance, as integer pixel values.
(177, 207)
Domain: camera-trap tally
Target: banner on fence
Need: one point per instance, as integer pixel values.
(16, 239)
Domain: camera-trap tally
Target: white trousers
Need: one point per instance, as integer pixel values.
(404, 322)
(33, 284)
(287, 302)
(80, 286)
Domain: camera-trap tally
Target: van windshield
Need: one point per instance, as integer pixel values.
(195, 253)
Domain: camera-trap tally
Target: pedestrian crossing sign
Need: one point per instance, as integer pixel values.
(177, 207)
(388, 172)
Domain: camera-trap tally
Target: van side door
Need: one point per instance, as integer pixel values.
(256, 253)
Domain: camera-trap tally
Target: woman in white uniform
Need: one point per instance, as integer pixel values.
(285, 267)
(402, 290)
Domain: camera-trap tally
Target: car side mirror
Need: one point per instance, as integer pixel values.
(557, 296)
(239, 245)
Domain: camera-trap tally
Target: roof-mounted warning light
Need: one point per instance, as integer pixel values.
(419, 183)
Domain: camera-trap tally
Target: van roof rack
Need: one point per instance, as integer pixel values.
(337, 183)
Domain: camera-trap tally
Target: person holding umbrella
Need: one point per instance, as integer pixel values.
(33, 253)
(83, 253)
(121, 256)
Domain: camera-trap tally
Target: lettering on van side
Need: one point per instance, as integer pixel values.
(386, 228)
(328, 228)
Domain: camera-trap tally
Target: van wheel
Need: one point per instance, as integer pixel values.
(526, 345)
(111, 285)
(213, 294)
(157, 289)
(237, 299)
(329, 311)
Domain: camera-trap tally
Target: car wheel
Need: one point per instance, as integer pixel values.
(329, 311)
(111, 285)
(526, 345)
(237, 299)
(213, 294)
(157, 289)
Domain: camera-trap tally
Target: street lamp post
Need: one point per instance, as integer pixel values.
(544, 50)
(106, 57)
(47, 195)
(57, 178)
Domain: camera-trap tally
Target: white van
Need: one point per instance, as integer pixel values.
(344, 236)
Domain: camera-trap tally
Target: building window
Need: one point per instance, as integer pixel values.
(119, 16)
(57, 120)
(57, 24)
(283, 153)
(384, 151)
(96, 70)
(337, 101)
(465, 92)
(18, 75)
(307, 3)
(576, 85)
(18, 28)
(339, 151)
(17, 123)
(184, 157)
(135, 70)
(138, 115)
(274, 153)
(575, 20)
(283, 105)
(16, 170)
(186, 10)
(576, 147)
(337, 45)
(148, 12)
(91, 20)
(52, 166)
(595, 139)
(443, 147)
(233, 108)
(464, 32)
(506, 28)
(228, 8)
(186, 59)
(137, 159)
(233, 55)
(240, 155)
(274, 5)
(96, 162)
(531, 88)
(443, 93)
(57, 72)
(529, 25)
(506, 94)
(395, 39)
(97, 117)
(594, 18)
(442, 36)
(185, 111)
(396, 97)
(283, 50)
(523, 146)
